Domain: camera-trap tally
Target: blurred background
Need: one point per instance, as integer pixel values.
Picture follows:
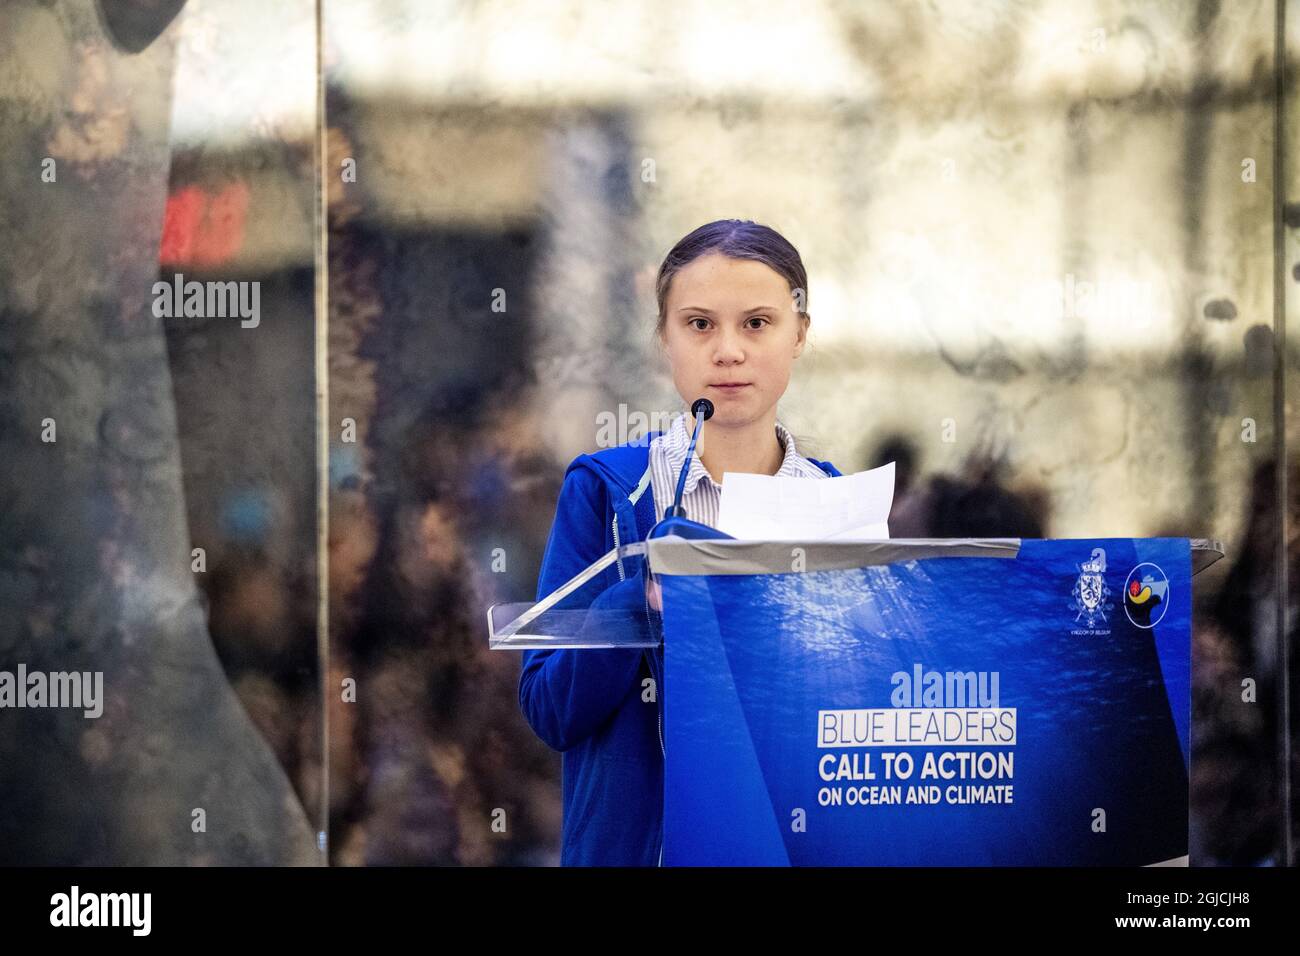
(1039, 239)
(1050, 276)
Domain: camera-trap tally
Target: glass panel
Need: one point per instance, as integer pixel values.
(158, 533)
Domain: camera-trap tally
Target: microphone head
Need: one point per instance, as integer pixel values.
(702, 407)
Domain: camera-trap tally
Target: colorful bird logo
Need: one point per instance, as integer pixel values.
(1146, 595)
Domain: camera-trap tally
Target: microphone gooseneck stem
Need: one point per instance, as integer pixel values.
(702, 409)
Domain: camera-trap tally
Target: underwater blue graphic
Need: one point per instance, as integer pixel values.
(943, 711)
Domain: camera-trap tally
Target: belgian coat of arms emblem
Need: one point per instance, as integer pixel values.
(1090, 591)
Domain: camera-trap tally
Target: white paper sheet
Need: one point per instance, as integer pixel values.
(779, 508)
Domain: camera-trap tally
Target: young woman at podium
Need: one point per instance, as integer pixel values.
(732, 298)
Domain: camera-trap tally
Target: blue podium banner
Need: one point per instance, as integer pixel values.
(1031, 710)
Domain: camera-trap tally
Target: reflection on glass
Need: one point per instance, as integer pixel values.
(158, 525)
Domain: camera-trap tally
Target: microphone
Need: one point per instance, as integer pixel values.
(702, 409)
(674, 520)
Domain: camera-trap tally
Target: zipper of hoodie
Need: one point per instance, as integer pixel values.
(659, 702)
(621, 575)
(665, 755)
(659, 715)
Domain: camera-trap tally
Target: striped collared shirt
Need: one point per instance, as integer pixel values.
(702, 497)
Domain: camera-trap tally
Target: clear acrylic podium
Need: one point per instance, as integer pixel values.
(541, 624)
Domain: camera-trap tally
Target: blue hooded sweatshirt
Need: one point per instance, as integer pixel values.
(595, 705)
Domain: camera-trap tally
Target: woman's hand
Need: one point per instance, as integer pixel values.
(654, 595)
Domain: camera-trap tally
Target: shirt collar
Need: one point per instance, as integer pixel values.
(678, 438)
